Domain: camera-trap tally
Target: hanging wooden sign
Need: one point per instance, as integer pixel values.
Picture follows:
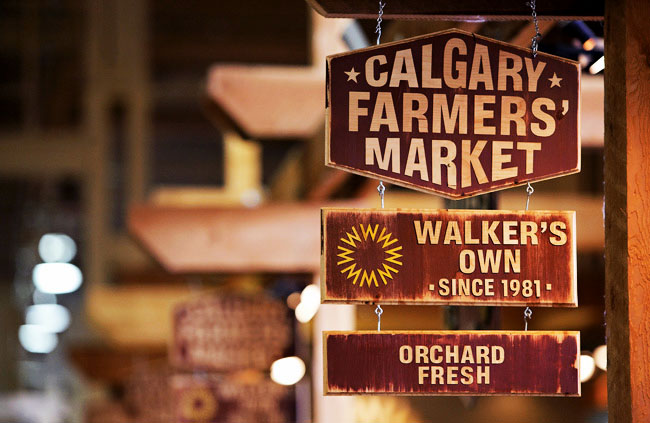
(453, 113)
(463, 257)
(452, 363)
(230, 398)
(223, 333)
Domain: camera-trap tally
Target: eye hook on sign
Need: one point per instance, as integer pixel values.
(529, 191)
(528, 315)
(378, 312)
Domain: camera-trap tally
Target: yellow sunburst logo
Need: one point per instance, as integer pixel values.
(369, 256)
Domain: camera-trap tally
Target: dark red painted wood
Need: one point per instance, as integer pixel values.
(533, 363)
(346, 147)
(423, 265)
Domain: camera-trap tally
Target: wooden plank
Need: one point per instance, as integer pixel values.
(384, 122)
(452, 363)
(461, 9)
(627, 210)
(269, 102)
(274, 238)
(443, 257)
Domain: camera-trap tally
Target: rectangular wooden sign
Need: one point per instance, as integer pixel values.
(228, 398)
(222, 332)
(452, 363)
(453, 113)
(463, 257)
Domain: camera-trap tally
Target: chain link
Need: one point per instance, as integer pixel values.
(379, 20)
(537, 36)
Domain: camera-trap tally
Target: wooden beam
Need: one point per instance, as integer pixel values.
(461, 9)
(269, 102)
(627, 209)
(279, 238)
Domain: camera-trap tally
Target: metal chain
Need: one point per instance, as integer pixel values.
(379, 20)
(537, 36)
(529, 191)
(381, 189)
(528, 315)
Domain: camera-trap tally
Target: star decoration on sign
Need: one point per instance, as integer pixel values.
(352, 75)
(555, 81)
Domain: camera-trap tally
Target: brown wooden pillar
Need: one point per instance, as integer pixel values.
(627, 208)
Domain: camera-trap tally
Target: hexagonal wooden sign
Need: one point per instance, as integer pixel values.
(453, 113)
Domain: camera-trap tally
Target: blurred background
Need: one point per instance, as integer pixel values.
(161, 174)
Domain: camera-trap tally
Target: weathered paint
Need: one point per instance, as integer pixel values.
(541, 363)
(397, 265)
(409, 74)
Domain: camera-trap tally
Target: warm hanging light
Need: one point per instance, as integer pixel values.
(309, 303)
(600, 357)
(587, 367)
(288, 370)
(597, 66)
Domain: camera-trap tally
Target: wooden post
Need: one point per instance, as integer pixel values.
(627, 211)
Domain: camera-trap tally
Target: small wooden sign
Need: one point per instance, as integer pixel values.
(452, 363)
(463, 257)
(453, 113)
(231, 398)
(224, 332)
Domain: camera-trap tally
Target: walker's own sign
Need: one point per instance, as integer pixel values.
(453, 113)
(470, 257)
(452, 363)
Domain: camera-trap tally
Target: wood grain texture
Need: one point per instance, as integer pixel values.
(627, 209)
(453, 113)
(278, 238)
(266, 102)
(461, 10)
(425, 363)
(463, 257)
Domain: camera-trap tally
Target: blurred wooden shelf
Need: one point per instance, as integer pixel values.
(281, 238)
(268, 102)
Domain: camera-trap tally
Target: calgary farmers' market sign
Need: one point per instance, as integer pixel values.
(453, 113)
